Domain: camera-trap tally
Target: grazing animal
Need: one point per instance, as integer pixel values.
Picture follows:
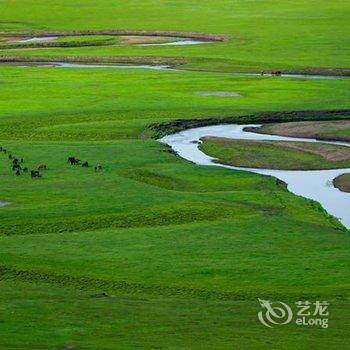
(14, 161)
(85, 165)
(4, 150)
(16, 167)
(22, 160)
(0, 148)
(10, 156)
(25, 170)
(18, 172)
(276, 72)
(73, 161)
(98, 168)
(42, 167)
(34, 173)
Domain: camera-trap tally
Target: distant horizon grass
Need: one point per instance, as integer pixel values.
(262, 34)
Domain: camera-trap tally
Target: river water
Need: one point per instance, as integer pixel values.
(313, 184)
(38, 39)
(160, 67)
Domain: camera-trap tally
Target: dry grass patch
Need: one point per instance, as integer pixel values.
(342, 182)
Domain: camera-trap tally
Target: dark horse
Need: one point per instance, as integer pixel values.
(16, 167)
(276, 72)
(73, 161)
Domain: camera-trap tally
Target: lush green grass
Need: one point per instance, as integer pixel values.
(79, 320)
(89, 38)
(199, 235)
(181, 251)
(62, 41)
(276, 154)
(109, 104)
(262, 34)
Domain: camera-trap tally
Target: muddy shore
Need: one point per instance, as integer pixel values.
(342, 182)
(190, 35)
(161, 129)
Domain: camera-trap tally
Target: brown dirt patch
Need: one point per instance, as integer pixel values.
(307, 129)
(139, 39)
(342, 182)
(156, 33)
(330, 152)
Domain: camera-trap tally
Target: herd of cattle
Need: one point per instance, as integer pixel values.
(17, 165)
(75, 161)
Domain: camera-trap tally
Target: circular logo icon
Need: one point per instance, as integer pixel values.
(274, 313)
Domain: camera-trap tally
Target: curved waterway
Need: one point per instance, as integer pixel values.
(179, 42)
(37, 39)
(172, 41)
(161, 67)
(313, 184)
(117, 66)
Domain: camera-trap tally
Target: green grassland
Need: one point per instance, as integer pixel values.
(154, 252)
(83, 38)
(109, 104)
(198, 235)
(276, 154)
(267, 34)
(61, 41)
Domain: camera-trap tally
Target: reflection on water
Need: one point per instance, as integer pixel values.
(38, 39)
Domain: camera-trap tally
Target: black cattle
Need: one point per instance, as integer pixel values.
(73, 161)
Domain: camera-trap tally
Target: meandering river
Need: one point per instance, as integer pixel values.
(173, 41)
(313, 184)
(161, 67)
